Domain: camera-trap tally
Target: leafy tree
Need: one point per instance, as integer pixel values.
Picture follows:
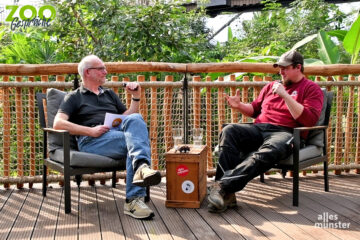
(120, 31)
(276, 29)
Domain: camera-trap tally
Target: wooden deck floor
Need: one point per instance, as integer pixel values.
(264, 212)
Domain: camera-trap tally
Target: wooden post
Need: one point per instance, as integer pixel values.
(349, 124)
(196, 103)
(221, 105)
(245, 98)
(357, 155)
(127, 95)
(338, 131)
(31, 114)
(167, 114)
(7, 132)
(208, 125)
(234, 113)
(143, 106)
(115, 79)
(257, 89)
(60, 78)
(154, 126)
(19, 131)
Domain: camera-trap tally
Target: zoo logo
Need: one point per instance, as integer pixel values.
(37, 18)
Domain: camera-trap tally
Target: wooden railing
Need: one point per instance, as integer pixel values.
(162, 106)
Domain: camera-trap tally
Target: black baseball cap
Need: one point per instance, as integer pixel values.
(289, 58)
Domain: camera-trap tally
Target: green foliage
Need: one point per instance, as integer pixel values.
(277, 29)
(328, 51)
(119, 31)
(29, 46)
(352, 40)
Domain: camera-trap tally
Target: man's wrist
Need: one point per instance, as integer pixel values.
(135, 99)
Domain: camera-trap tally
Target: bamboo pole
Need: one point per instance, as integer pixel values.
(143, 106)
(349, 124)
(209, 125)
(245, 98)
(7, 131)
(196, 103)
(234, 113)
(154, 126)
(357, 154)
(115, 79)
(19, 132)
(127, 67)
(60, 78)
(127, 95)
(339, 130)
(31, 114)
(257, 89)
(221, 105)
(167, 114)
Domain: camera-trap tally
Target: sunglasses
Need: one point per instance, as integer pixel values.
(98, 68)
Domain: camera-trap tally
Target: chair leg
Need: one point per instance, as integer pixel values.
(113, 181)
(67, 191)
(262, 179)
(44, 187)
(78, 179)
(147, 197)
(296, 188)
(326, 176)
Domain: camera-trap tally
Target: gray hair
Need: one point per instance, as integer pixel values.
(85, 63)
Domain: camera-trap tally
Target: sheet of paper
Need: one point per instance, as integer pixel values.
(113, 120)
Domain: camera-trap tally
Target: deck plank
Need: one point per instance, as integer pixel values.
(264, 211)
(25, 222)
(67, 224)
(89, 225)
(111, 227)
(46, 224)
(176, 226)
(291, 214)
(11, 210)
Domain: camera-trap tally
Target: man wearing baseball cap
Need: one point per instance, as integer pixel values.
(248, 150)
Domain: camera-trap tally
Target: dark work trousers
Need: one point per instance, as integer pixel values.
(248, 150)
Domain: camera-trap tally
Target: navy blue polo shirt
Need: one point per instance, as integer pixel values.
(88, 109)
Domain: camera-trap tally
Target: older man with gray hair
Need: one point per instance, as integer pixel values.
(82, 113)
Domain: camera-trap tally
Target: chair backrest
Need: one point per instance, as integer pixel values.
(316, 137)
(53, 99)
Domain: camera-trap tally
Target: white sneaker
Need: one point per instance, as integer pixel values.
(145, 176)
(136, 208)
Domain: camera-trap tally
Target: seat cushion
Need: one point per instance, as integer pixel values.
(54, 98)
(305, 153)
(83, 159)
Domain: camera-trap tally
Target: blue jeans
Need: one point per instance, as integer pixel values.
(130, 139)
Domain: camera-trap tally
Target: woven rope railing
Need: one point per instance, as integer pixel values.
(162, 106)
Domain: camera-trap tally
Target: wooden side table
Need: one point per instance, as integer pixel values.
(186, 177)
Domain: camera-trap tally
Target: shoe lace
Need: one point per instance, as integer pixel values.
(139, 202)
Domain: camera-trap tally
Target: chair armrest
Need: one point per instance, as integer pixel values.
(301, 129)
(66, 144)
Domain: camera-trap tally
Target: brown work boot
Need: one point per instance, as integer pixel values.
(216, 196)
(229, 202)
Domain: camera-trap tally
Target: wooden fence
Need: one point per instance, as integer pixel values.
(162, 106)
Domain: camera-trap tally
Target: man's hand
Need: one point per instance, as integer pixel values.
(99, 130)
(279, 89)
(134, 89)
(234, 101)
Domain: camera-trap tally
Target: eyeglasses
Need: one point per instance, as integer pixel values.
(98, 68)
